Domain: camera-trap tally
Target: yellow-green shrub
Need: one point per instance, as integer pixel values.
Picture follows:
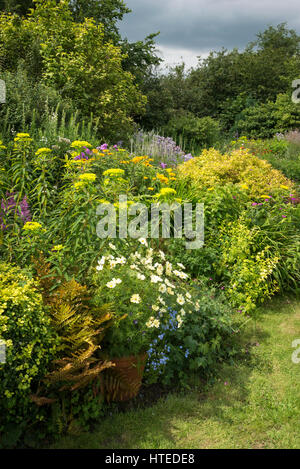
(30, 345)
(248, 266)
(240, 167)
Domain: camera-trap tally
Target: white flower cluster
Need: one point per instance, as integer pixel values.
(155, 269)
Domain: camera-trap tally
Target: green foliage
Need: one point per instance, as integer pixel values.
(141, 286)
(74, 59)
(246, 91)
(31, 344)
(202, 132)
(194, 344)
(266, 119)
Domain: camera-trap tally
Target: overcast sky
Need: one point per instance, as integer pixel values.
(189, 28)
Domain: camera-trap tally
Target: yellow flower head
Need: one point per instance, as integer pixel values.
(32, 226)
(43, 151)
(87, 177)
(80, 144)
(114, 172)
(21, 137)
(57, 248)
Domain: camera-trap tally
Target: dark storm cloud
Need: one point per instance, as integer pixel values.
(198, 26)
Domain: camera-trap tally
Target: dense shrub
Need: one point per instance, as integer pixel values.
(211, 169)
(282, 152)
(189, 344)
(265, 119)
(30, 346)
(75, 59)
(201, 132)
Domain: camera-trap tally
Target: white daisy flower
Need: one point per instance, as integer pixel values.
(168, 268)
(156, 323)
(179, 320)
(121, 260)
(162, 288)
(143, 241)
(155, 279)
(162, 255)
(135, 298)
(180, 300)
(161, 300)
(111, 284)
(140, 276)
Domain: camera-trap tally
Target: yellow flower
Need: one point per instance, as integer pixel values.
(150, 189)
(137, 159)
(162, 178)
(57, 248)
(32, 226)
(284, 187)
(89, 177)
(266, 196)
(43, 151)
(114, 172)
(80, 144)
(22, 137)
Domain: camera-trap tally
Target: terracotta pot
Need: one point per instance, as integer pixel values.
(125, 378)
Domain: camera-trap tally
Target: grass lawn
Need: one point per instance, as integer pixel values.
(258, 407)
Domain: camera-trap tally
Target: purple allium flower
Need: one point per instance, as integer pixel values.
(104, 146)
(163, 165)
(254, 204)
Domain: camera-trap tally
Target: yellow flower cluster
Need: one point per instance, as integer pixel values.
(43, 151)
(87, 177)
(80, 144)
(114, 172)
(144, 160)
(22, 137)
(32, 226)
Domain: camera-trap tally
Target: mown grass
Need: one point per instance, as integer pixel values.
(253, 404)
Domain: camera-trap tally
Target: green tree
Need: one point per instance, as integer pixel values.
(75, 60)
